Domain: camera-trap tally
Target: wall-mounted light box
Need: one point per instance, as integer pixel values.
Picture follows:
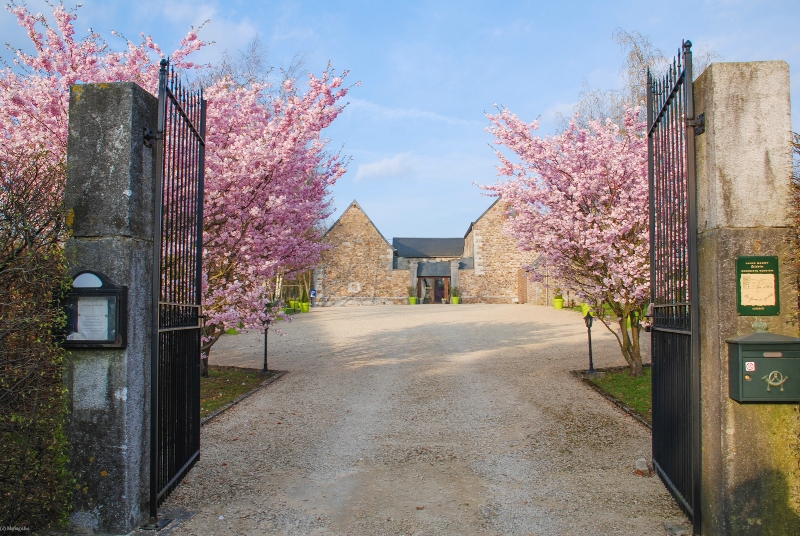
(97, 312)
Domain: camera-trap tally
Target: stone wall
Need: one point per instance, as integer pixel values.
(469, 251)
(497, 261)
(542, 292)
(538, 293)
(357, 270)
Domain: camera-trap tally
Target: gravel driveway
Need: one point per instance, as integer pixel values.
(434, 419)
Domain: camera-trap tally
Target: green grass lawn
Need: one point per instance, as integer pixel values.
(633, 392)
(224, 385)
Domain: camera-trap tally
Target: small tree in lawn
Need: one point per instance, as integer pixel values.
(580, 200)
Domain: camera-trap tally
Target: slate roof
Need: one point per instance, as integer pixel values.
(428, 247)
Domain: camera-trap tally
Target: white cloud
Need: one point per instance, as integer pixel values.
(562, 110)
(377, 110)
(515, 29)
(399, 164)
(192, 12)
(293, 34)
(227, 35)
(226, 32)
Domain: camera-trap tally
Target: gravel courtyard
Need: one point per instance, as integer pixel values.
(435, 419)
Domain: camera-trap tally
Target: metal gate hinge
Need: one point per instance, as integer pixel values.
(149, 136)
(699, 124)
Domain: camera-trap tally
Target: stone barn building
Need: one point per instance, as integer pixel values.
(363, 268)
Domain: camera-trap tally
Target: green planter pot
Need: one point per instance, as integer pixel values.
(558, 303)
(455, 300)
(412, 300)
(585, 309)
(304, 307)
(293, 304)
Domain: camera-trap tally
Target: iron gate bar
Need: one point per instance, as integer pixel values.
(678, 331)
(674, 285)
(156, 292)
(177, 289)
(185, 115)
(694, 289)
(675, 88)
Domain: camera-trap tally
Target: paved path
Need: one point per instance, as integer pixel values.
(424, 420)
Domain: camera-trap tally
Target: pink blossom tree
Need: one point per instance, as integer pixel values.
(580, 200)
(268, 178)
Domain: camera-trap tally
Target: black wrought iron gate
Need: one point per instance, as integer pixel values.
(175, 366)
(673, 265)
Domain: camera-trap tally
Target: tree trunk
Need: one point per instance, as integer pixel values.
(629, 344)
(628, 340)
(205, 348)
(306, 280)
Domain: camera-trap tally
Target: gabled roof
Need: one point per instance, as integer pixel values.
(481, 216)
(428, 247)
(356, 205)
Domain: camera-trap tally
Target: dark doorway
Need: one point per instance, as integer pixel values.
(438, 289)
(434, 289)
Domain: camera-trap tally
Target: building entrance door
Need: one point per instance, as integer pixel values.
(434, 289)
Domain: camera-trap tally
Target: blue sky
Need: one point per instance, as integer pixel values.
(429, 70)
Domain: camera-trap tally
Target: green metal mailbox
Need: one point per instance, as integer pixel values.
(764, 367)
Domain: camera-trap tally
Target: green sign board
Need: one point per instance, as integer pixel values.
(757, 286)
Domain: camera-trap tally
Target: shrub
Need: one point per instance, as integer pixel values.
(795, 208)
(34, 482)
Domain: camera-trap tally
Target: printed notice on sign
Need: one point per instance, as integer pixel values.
(92, 318)
(757, 286)
(758, 289)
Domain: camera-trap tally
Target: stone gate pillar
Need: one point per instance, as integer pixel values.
(454, 272)
(750, 474)
(109, 199)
